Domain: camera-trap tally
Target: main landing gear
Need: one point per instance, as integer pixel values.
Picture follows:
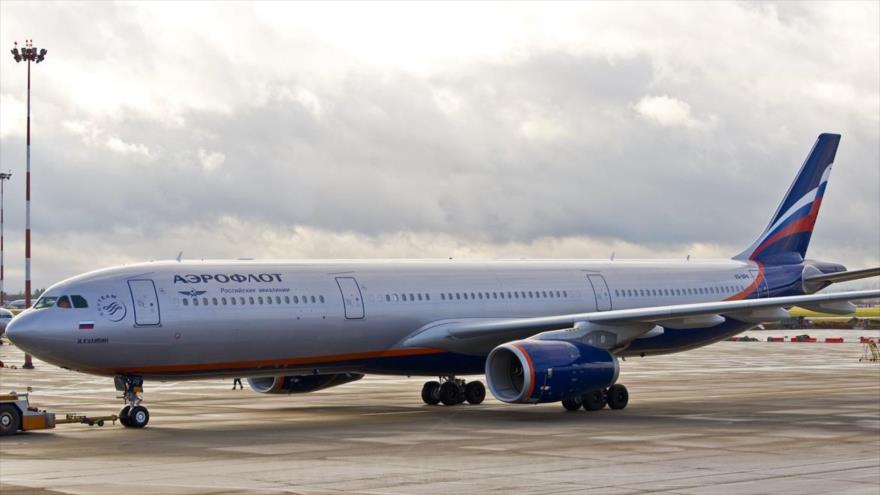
(452, 391)
(133, 414)
(615, 397)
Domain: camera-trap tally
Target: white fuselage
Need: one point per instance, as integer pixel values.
(254, 318)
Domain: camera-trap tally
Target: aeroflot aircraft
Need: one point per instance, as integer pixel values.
(540, 331)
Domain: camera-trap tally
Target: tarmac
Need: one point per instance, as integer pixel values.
(734, 417)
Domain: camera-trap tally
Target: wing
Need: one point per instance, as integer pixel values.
(479, 334)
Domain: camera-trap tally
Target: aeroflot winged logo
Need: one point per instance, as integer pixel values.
(191, 293)
(111, 307)
(225, 278)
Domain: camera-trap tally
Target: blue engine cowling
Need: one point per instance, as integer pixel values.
(534, 371)
(300, 384)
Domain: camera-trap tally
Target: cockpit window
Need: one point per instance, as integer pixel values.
(63, 302)
(79, 301)
(45, 302)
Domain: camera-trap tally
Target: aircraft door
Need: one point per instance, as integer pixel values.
(145, 302)
(352, 299)
(600, 290)
(762, 290)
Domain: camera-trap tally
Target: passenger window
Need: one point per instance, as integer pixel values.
(63, 302)
(232, 300)
(185, 301)
(295, 300)
(241, 300)
(427, 297)
(205, 301)
(195, 302)
(269, 300)
(79, 302)
(214, 301)
(387, 297)
(287, 299)
(442, 296)
(223, 301)
(420, 296)
(251, 299)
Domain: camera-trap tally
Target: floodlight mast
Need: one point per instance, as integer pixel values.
(30, 54)
(4, 176)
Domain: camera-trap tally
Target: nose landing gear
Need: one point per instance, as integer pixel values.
(133, 414)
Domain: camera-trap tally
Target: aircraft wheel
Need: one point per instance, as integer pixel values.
(10, 420)
(593, 401)
(618, 397)
(431, 393)
(475, 392)
(572, 403)
(450, 393)
(123, 415)
(138, 417)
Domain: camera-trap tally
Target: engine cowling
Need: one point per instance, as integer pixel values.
(535, 371)
(300, 384)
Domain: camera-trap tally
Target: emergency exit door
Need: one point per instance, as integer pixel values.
(351, 297)
(761, 290)
(145, 302)
(600, 290)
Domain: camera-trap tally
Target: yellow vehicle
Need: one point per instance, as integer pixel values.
(17, 414)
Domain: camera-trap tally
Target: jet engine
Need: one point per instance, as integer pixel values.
(534, 371)
(300, 384)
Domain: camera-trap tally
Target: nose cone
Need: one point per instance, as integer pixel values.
(23, 332)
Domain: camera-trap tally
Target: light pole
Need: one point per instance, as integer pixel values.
(29, 53)
(4, 176)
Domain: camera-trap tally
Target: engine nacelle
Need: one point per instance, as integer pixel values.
(300, 384)
(534, 371)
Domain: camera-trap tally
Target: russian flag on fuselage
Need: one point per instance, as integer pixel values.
(787, 236)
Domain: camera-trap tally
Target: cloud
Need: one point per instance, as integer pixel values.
(666, 111)
(472, 129)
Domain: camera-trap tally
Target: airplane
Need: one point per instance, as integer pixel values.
(5, 318)
(539, 330)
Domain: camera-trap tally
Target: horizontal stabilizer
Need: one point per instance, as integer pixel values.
(816, 282)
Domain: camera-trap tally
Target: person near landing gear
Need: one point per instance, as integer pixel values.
(235, 382)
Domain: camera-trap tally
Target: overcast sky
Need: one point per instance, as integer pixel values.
(433, 130)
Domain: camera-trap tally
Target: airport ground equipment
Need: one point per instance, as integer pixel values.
(16, 414)
(870, 352)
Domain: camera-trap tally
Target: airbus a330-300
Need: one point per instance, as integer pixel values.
(539, 330)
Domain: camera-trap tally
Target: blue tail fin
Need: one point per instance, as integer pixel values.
(787, 236)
